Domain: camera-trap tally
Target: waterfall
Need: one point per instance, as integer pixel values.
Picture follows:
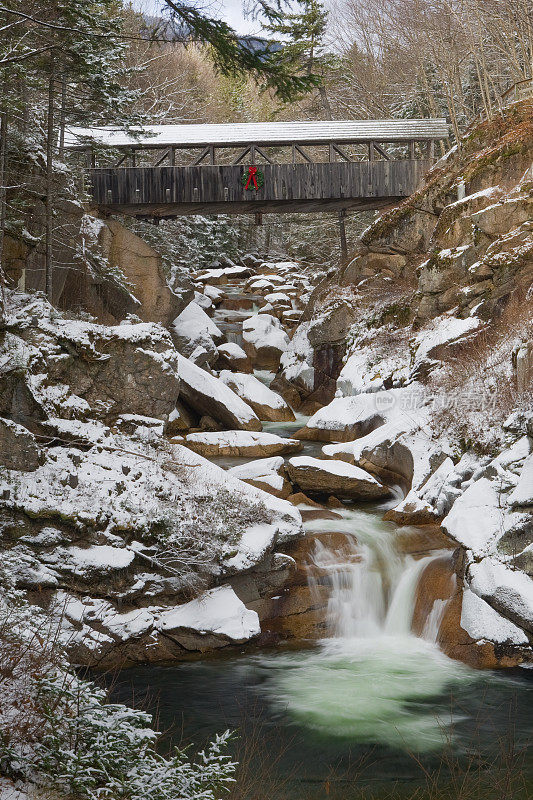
(372, 679)
(373, 586)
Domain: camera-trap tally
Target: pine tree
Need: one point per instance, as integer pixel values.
(272, 66)
(301, 38)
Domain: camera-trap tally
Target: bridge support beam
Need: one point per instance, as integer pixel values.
(342, 235)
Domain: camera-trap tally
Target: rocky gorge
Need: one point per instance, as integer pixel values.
(405, 377)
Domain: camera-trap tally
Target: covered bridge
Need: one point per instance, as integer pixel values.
(164, 171)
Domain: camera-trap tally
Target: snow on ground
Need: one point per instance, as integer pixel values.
(442, 331)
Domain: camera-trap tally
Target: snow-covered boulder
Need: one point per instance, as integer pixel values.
(267, 404)
(240, 443)
(215, 619)
(232, 356)
(483, 623)
(508, 591)
(214, 294)
(195, 335)
(264, 340)
(210, 396)
(331, 477)
(344, 419)
(522, 495)
(268, 474)
(221, 276)
(478, 519)
(80, 368)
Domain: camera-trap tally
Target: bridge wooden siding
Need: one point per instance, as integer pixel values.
(168, 191)
(342, 181)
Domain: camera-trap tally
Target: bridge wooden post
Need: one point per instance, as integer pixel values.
(342, 234)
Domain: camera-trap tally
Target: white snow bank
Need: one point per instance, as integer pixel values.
(194, 323)
(441, 331)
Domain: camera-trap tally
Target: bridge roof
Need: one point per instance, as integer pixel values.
(260, 133)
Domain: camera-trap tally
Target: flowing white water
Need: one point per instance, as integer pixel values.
(372, 680)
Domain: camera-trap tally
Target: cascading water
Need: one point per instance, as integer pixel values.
(369, 679)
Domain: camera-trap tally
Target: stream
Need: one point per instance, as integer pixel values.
(371, 710)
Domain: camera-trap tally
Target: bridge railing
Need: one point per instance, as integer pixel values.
(187, 189)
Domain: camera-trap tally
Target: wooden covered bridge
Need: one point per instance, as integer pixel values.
(164, 171)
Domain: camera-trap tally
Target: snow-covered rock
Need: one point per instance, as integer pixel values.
(440, 333)
(483, 623)
(208, 395)
(264, 340)
(196, 334)
(332, 477)
(522, 495)
(232, 356)
(267, 404)
(268, 474)
(18, 447)
(478, 519)
(217, 612)
(509, 591)
(240, 443)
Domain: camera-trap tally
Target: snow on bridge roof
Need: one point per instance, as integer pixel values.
(260, 133)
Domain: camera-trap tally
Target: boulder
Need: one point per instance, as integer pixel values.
(334, 478)
(207, 395)
(344, 419)
(195, 335)
(264, 340)
(18, 447)
(508, 591)
(215, 619)
(180, 419)
(239, 443)
(142, 266)
(214, 294)
(267, 404)
(129, 368)
(231, 356)
(268, 474)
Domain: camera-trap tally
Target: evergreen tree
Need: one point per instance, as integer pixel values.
(273, 66)
(300, 35)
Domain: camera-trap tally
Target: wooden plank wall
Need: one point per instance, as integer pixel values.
(133, 186)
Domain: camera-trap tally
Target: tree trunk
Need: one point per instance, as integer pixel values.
(3, 190)
(48, 266)
(63, 115)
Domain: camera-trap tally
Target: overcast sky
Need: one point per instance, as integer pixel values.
(230, 10)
